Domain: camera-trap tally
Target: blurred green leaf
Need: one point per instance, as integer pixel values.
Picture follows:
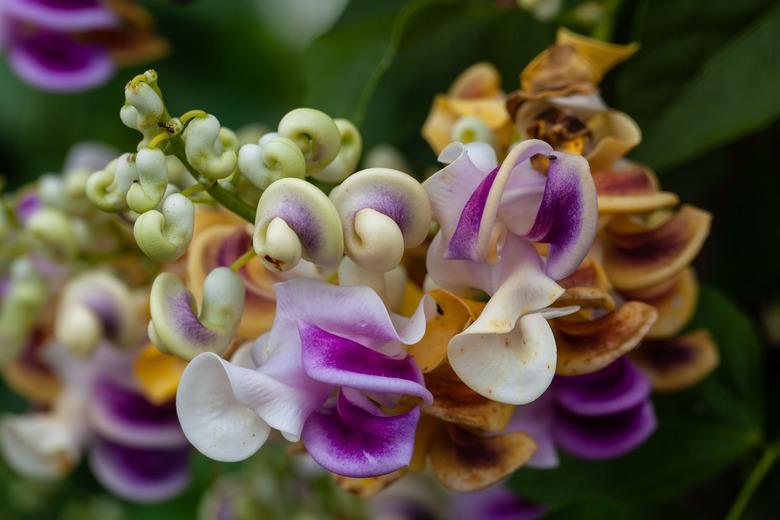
(706, 75)
(701, 430)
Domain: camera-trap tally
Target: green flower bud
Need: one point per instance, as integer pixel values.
(164, 235)
(315, 133)
(108, 188)
(19, 308)
(348, 157)
(53, 228)
(210, 150)
(271, 159)
(148, 192)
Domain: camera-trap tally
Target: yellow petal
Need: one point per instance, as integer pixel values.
(454, 402)
(674, 299)
(463, 461)
(367, 487)
(158, 374)
(437, 129)
(453, 315)
(675, 364)
(638, 260)
(613, 134)
(411, 299)
(491, 111)
(585, 347)
(602, 56)
(478, 81)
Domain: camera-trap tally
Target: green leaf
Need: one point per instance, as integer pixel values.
(701, 430)
(732, 94)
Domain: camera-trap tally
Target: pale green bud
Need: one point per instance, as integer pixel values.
(164, 235)
(205, 146)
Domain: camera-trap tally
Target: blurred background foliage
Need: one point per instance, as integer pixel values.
(703, 88)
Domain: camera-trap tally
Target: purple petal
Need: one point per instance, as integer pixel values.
(140, 474)
(496, 503)
(464, 242)
(122, 415)
(58, 62)
(62, 15)
(536, 419)
(28, 204)
(357, 313)
(356, 439)
(89, 156)
(616, 388)
(342, 362)
(568, 214)
(606, 436)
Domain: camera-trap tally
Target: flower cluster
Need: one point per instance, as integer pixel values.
(523, 299)
(75, 45)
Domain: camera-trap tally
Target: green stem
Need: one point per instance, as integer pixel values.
(242, 260)
(226, 198)
(762, 467)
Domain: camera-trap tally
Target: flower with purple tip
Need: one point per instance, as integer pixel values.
(328, 373)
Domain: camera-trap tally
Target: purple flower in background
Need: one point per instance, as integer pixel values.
(71, 45)
(136, 449)
(600, 415)
(496, 503)
(331, 363)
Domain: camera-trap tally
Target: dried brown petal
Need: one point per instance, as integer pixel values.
(677, 363)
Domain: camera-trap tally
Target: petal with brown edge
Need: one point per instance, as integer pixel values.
(478, 81)
(588, 287)
(677, 363)
(602, 56)
(632, 189)
(614, 134)
(463, 461)
(638, 260)
(674, 299)
(219, 246)
(454, 402)
(369, 486)
(584, 347)
(452, 316)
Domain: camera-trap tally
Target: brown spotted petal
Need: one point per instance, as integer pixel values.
(584, 347)
(587, 287)
(463, 461)
(369, 486)
(630, 189)
(454, 402)
(674, 299)
(638, 260)
(614, 134)
(452, 316)
(219, 246)
(677, 363)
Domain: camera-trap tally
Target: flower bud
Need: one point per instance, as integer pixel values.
(210, 150)
(108, 188)
(315, 133)
(348, 157)
(164, 235)
(271, 159)
(148, 192)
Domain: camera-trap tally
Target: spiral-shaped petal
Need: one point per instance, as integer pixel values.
(271, 159)
(315, 133)
(348, 157)
(207, 148)
(296, 220)
(176, 327)
(96, 306)
(108, 188)
(383, 212)
(147, 193)
(164, 235)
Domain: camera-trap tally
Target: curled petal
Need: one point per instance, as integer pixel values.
(356, 439)
(164, 235)
(179, 330)
(340, 362)
(616, 388)
(514, 366)
(455, 402)
(452, 316)
(614, 134)
(382, 212)
(677, 363)
(107, 189)
(315, 133)
(349, 154)
(271, 159)
(296, 220)
(227, 411)
(585, 347)
(463, 461)
(632, 189)
(144, 108)
(219, 246)
(638, 260)
(588, 286)
(94, 307)
(607, 436)
(568, 214)
(674, 300)
(205, 145)
(140, 474)
(147, 193)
